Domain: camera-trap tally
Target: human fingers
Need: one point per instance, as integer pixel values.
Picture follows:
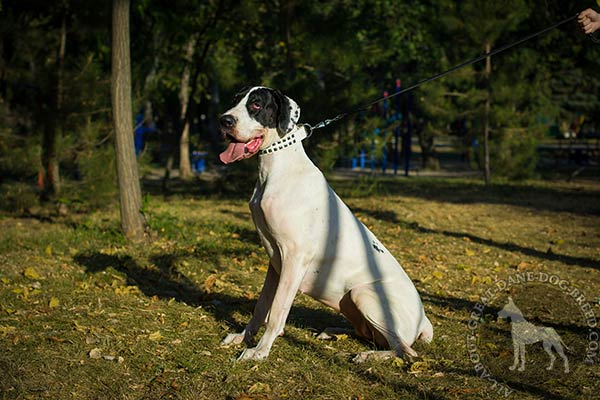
(590, 27)
(582, 17)
(587, 13)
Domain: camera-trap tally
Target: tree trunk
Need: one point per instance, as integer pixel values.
(429, 160)
(486, 124)
(52, 132)
(130, 195)
(51, 183)
(185, 168)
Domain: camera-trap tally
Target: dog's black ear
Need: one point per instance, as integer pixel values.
(240, 95)
(283, 112)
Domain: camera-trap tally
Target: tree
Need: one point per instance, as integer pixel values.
(130, 195)
(499, 116)
(188, 32)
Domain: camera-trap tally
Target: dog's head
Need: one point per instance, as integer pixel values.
(259, 117)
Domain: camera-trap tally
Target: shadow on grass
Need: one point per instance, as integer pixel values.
(238, 185)
(166, 282)
(466, 307)
(370, 374)
(391, 216)
(459, 191)
(163, 280)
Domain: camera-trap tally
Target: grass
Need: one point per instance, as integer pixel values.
(85, 316)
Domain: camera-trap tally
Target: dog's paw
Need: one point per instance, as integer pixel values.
(253, 353)
(233, 339)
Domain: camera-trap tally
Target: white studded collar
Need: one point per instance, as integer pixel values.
(296, 136)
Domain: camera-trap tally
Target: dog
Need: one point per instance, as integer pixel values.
(314, 242)
(524, 332)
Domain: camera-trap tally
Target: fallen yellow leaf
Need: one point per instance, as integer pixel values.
(48, 250)
(95, 353)
(31, 273)
(419, 366)
(155, 336)
(259, 387)
(341, 336)
(438, 274)
(6, 329)
(54, 302)
(126, 290)
(398, 362)
(210, 282)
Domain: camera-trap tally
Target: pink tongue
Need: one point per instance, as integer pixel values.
(234, 152)
(239, 151)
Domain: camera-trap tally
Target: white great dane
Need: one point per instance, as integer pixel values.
(315, 244)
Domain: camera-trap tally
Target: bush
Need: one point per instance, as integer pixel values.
(98, 179)
(18, 196)
(513, 153)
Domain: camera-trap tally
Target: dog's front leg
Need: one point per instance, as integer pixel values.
(261, 310)
(292, 273)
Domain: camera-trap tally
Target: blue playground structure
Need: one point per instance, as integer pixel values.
(402, 135)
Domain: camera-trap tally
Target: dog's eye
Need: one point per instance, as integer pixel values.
(255, 107)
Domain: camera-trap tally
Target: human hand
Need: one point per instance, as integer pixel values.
(589, 21)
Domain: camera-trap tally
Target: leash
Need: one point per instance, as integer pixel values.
(366, 107)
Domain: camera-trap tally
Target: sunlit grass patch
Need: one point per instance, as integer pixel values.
(83, 315)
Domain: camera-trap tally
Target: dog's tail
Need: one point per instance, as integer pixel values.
(555, 338)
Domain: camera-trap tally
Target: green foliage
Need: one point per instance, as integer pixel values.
(515, 154)
(328, 56)
(97, 185)
(19, 156)
(18, 197)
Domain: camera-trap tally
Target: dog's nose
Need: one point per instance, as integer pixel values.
(227, 121)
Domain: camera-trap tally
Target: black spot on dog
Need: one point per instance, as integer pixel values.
(270, 108)
(377, 247)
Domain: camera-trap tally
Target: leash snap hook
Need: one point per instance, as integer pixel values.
(309, 130)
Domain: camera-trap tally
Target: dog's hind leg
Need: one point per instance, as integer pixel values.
(556, 342)
(561, 352)
(364, 308)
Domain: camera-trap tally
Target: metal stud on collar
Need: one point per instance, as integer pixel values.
(282, 144)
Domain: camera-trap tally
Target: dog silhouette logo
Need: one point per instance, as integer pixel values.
(524, 333)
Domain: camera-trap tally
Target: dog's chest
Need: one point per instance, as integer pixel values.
(272, 215)
(260, 215)
(282, 209)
